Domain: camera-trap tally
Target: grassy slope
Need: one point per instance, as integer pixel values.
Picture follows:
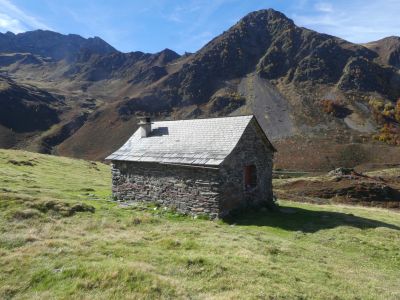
(303, 251)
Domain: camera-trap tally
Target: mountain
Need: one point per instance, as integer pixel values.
(388, 50)
(52, 44)
(311, 92)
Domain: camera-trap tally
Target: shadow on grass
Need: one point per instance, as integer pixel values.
(300, 219)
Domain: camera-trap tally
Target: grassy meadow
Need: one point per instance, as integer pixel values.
(62, 238)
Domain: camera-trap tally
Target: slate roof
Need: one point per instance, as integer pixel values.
(194, 142)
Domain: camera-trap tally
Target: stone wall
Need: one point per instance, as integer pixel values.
(252, 149)
(188, 189)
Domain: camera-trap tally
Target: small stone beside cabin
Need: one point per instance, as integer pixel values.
(203, 166)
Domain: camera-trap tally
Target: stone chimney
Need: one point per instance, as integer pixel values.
(144, 126)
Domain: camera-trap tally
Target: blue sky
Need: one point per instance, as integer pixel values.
(186, 25)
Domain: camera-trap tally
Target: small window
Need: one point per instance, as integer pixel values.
(250, 176)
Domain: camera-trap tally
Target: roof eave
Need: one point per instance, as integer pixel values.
(212, 166)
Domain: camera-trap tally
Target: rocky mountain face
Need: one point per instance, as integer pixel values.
(308, 90)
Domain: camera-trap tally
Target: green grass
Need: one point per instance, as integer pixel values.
(385, 172)
(49, 249)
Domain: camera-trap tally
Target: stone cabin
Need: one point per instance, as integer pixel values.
(203, 166)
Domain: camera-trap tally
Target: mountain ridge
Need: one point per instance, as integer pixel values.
(53, 44)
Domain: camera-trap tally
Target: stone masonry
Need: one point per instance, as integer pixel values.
(188, 189)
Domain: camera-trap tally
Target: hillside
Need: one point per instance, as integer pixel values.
(25, 110)
(306, 89)
(61, 238)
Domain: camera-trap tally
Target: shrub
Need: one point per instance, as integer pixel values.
(389, 134)
(388, 110)
(377, 104)
(397, 111)
(385, 112)
(388, 115)
(335, 108)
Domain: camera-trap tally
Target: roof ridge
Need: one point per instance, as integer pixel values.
(198, 119)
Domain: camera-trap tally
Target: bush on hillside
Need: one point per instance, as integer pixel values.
(387, 115)
(335, 108)
(389, 134)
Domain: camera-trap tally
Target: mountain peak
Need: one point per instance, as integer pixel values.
(270, 12)
(168, 51)
(165, 56)
(266, 15)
